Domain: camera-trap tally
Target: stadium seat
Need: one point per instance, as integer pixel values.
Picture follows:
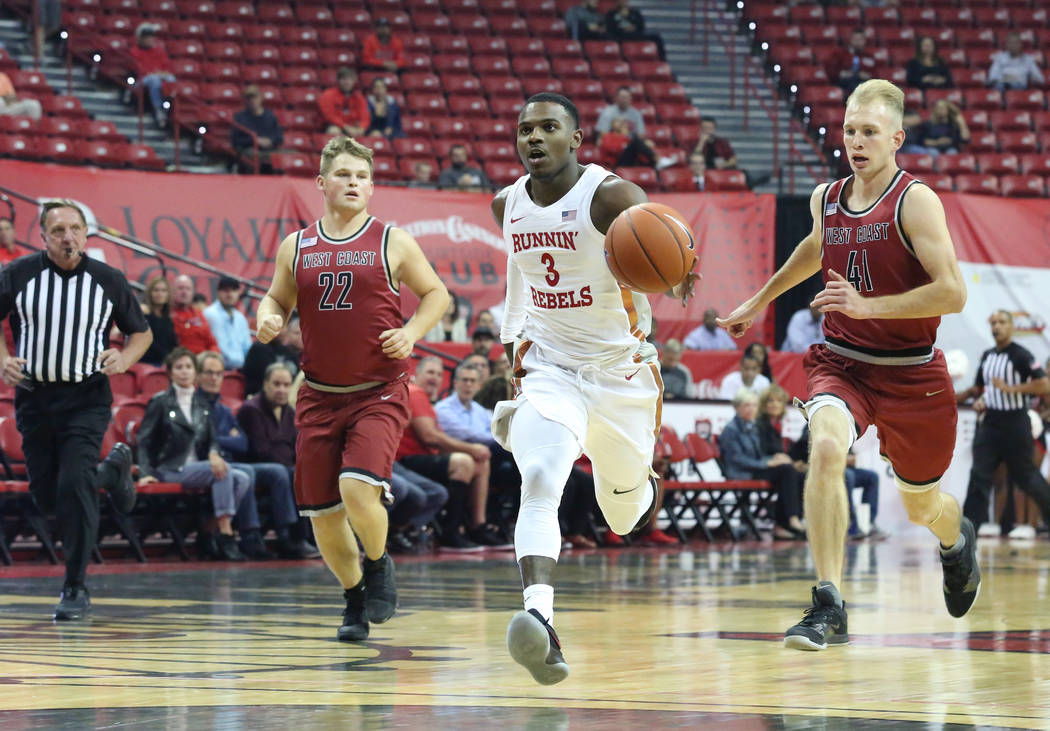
(427, 103)
(260, 73)
(265, 34)
(416, 126)
(407, 165)
(240, 10)
(490, 150)
(990, 99)
(158, 9)
(30, 83)
(16, 146)
(1020, 142)
(939, 182)
(509, 26)
(602, 50)
(58, 149)
(314, 14)
(983, 141)
(491, 46)
(413, 147)
(300, 76)
(807, 13)
(460, 85)
(493, 129)
(957, 163)
(448, 128)
(570, 67)
(970, 78)
(450, 63)
(677, 180)
(262, 54)
(986, 17)
(294, 163)
(977, 183)
(302, 55)
(417, 81)
(1023, 186)
(933, 96)
(666, 92)
(59, 127)
(555, 47)
(102, 152)
(976, 38)
(101, 130)
(60, 105)
(144, 156)
(275, 12)
(221, 71)
(336, 37)
(449, 43)
(1035, 164)
(535, 67)
(299, 141)
(503, 173)
(917, 164)
(725, 180)
(505, 86)
(1012, 120)
(332, 59)
(999, 163)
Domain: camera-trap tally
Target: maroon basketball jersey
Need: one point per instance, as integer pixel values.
(871, 250)
(346, 299)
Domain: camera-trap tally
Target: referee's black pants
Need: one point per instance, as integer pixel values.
(1004, 436)
(62, 426)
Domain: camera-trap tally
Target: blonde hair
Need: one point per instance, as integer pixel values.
(774, 392)
(340, 145)
(879, 91)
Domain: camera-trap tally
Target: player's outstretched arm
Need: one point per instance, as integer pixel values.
(279, 301)
(923, 222)
(803, 263)
(409, 267)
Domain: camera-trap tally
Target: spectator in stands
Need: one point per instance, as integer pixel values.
(285, 348)
(772, 405)
(677, 378)
(1012, 68)
(343, 107)
(709, 336)
(228, 324)
(911, 123)
(199, 302)
(850, 66)
(232, 447)
(621, 109)
(698, 168)
(744, 460)
(481, 343)
(624, 23)
(586, 22)
(268, 133)
(461, 417)
(945, 131)
(12, 104)
(267, 422)
(717, 151)
(48, 21)
(156, 305)
(452, 327)
(460, 466)
(805, 328)
(177, 443)
(384, 111)
(501, 366)
(486, 320)
(758, 351)
(459, 175)
(482, 363)
(430, 373)
(927, 70)
(382, 51)
(191, 328)
(152, 67)
(747, 376)
(9, 241)
(417, 502)
(619, 147)
(422, 175)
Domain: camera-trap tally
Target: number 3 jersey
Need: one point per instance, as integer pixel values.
(346, 299)
(872, 251)
(561, 294)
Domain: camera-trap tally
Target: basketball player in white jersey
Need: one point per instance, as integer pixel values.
(587, 380)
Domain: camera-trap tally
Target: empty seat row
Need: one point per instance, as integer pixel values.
(94, 152)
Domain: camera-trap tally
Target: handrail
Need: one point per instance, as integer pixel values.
(434, 351)
(213, 116)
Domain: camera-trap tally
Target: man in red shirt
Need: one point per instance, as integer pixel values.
(381, 51)
(191, 328)
(343, 107)
(853, 64)
(153, 67)
(8, 243)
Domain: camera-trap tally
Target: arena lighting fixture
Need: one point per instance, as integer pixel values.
(838, 153)
(202, 130)
(739, 4)
(97, 57)
(805, 109)
(822, 130)
(131, 79)
(166, 104)
(752, 25)
(776, 68)
(63, 34)
(765, 46)
(794, 88)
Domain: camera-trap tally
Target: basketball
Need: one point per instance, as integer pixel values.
(650, 248)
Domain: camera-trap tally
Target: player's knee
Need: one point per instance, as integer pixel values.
(539, 484)
(922, 507)
(826, 453)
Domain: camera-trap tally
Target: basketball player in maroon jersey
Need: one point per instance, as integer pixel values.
(345, 273)
(881, 241)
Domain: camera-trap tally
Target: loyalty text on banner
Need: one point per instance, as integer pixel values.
(235, 223)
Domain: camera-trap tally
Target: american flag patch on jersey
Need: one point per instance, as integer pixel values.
(568, 215)
(308, 241)
(831, 209)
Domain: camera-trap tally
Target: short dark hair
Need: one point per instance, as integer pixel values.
(712, 120)
(177, 353)
(550, 96)
(345, 71)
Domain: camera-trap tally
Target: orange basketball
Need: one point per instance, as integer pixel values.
(650, 248)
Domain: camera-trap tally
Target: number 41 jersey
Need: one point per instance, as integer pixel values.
(346, 299)
(872, 251)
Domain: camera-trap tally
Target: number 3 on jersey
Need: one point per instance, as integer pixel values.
(857, 272)
(552, 277)
(328, 280)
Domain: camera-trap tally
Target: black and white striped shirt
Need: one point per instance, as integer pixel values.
(1014, 365)
(61, 319)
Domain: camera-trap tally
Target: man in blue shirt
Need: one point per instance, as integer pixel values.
(228, 324)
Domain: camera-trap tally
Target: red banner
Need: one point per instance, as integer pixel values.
(235, 223)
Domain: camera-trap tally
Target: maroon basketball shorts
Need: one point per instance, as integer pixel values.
(913, 408)
(345, 435)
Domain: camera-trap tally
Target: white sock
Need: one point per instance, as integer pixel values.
(541, 598)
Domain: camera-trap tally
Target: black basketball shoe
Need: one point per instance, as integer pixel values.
(534, 645)
(355, 621)
(73, 604)
(962, 575)
(822, 624)
(380, 589)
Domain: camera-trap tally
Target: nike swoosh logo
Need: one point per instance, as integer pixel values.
(934, 393)
(515, 220)
(384, 398)
(623, 492)
(632, 376)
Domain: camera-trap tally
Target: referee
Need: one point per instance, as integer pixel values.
(62, 306)
(1006, 377)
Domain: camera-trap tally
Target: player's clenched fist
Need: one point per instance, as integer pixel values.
(396, 343)
(268, 327)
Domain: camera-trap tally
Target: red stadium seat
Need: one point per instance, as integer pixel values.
(982, 141)
(490, 150)
(917, 164)
(1035, 164)
(314, 14)
(385, 168)
(666, 92)
(990, 99)
(933, 96)
(991, 17)
(451, 63)
(266, 34)
(450, 128)
(810, 13)
(336, 37)
(976, 38)
(101, 130)
(335, 58)
(61, 105)
(503, 173)
(460, 85)
(299, 141)
(299, 55)
(1021, 142)
(221, 71)
(493, 129)
(677, 180)
(503, 86)
(59, 149)
(159, 8)
(970, 78)
(651, 71)
(144, 156)
(725, 180)
(448, 43)
(536, 67)
(957, 163)
(416, 126)
(60, 127)
(602, 50)
(644, 177)
(260, 73)
(977, 183)
(1041, 120)
(571, 67)
(407, 165)
(584, 89)
(1012, 120)
(999, 163)
(275, 12)
(939, 182)
(509, 26)
(223, 50)
(102, 152)
(415, 81)
(1023, 186)
(300, 76)
(427, 103)
(538, 46)
(262, 53)
(304, 119)
(491, 46)
(294, 163)
(469, 106)
(241, 10)
(30, 83)
(413, 147)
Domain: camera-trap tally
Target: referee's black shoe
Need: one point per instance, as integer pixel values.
(962, 575)
(380, 589)
(114, 476)
(73, 604)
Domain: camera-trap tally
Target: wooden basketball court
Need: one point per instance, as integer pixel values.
(655, 639)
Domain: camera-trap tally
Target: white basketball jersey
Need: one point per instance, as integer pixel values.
(575, 310)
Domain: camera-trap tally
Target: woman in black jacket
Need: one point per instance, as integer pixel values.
(176, 443)
(927, 70)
